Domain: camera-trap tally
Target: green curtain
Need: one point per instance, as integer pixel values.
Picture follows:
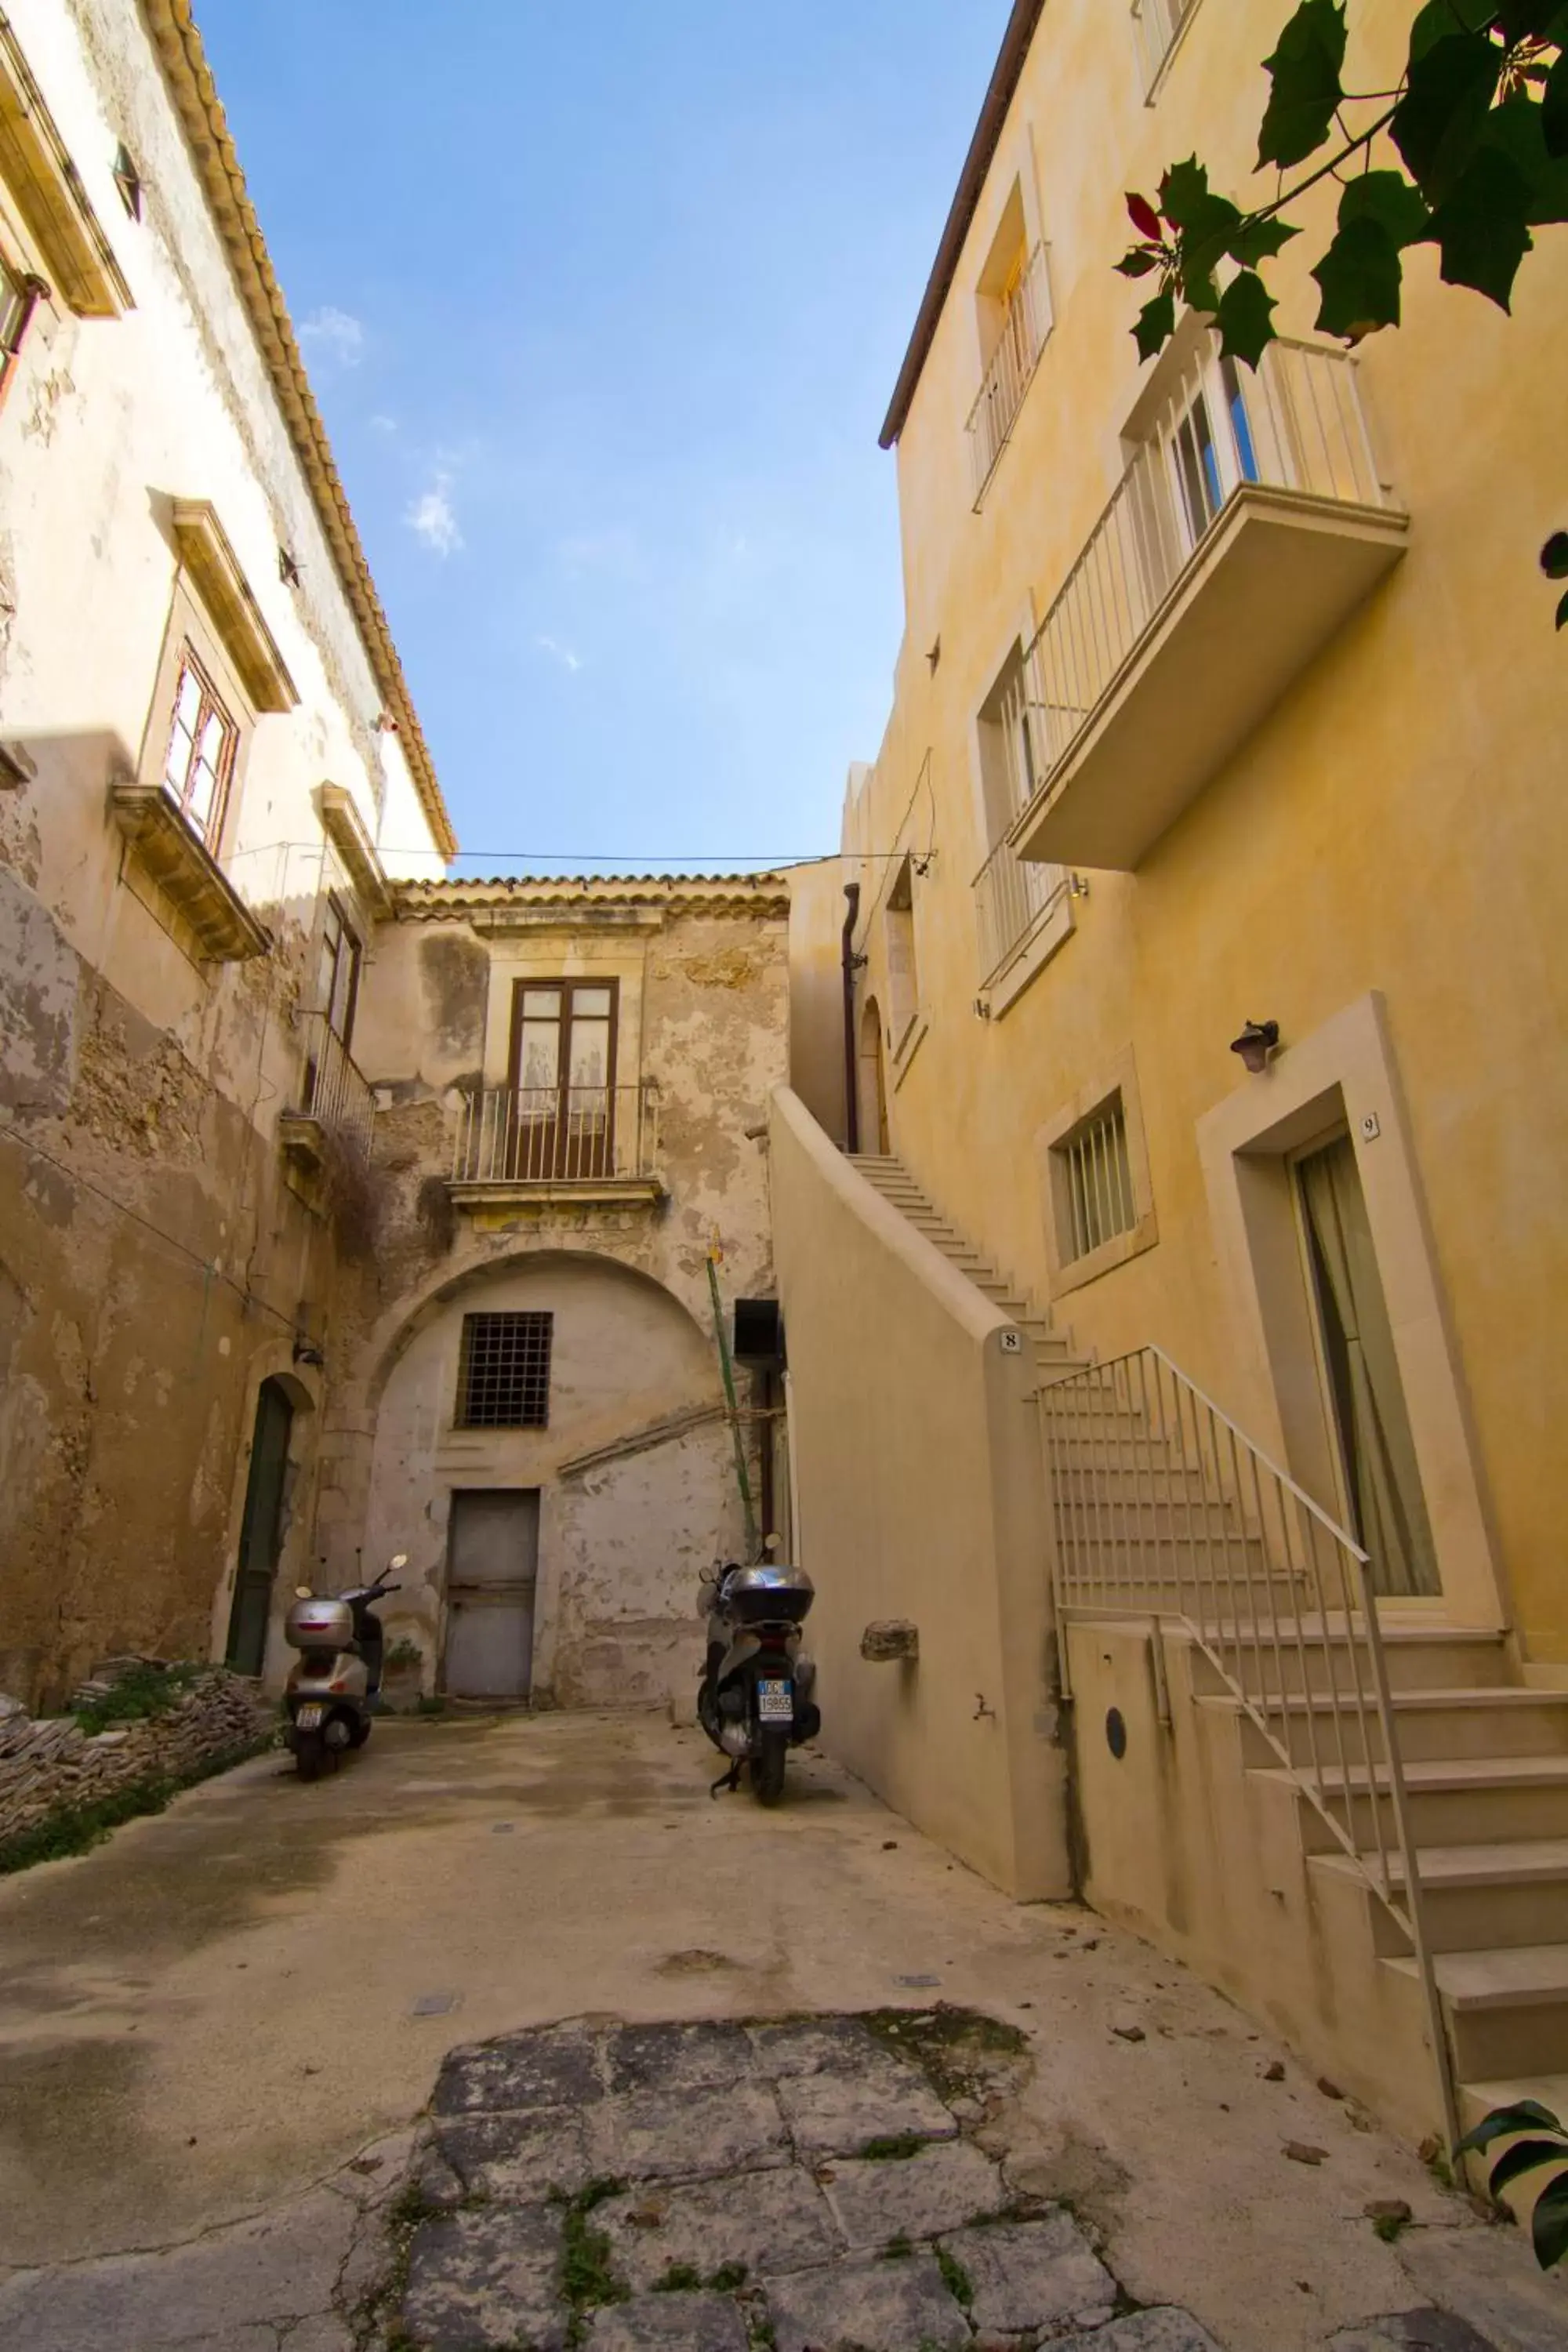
(1390, 1508)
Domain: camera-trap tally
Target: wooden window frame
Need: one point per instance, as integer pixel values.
(31, 289)
(209, 832)
(563, 1161)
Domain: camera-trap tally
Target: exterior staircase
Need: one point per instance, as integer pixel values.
(892, 1179)
(1165, 1511)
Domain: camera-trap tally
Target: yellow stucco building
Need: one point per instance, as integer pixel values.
(1228, 715)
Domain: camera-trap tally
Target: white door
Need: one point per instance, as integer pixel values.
(492, 1573)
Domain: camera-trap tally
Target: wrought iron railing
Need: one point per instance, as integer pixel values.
(557, 1135)
(1165, 1511)
(1157, 22)
(334, 1094)
(1012, 897)
(1024, 326)
(1295, 425)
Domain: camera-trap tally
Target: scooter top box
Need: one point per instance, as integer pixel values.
(769, 1595)
(322, 1623)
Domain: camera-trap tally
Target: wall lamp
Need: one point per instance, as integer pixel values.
(1257, 1040)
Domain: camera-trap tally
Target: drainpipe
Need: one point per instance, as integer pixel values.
(851, 1105)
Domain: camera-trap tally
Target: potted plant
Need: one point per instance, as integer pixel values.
(402, 1672)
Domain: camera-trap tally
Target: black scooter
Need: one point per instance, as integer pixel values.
(754, 1699)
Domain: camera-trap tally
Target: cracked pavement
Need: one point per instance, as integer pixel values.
(227, 2125)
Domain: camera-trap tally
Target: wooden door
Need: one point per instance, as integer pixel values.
(261, 1530)
(492, 1574)
(562, 1122)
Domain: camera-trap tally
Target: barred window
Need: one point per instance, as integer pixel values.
(503, 1374)
(1095, 1190)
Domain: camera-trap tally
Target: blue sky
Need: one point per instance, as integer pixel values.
(604, 306)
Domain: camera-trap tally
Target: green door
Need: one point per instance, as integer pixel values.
(260, 1535)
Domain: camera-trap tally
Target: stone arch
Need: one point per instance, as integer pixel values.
(871, 1079)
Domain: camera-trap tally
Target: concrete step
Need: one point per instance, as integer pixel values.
(1433, 1724)
(1474, 1801)
(1435, 1659)
(1143, 1519)
(1477, 1896)
(1508, 2008)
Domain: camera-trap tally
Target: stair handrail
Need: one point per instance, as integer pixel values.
(1138, 1422)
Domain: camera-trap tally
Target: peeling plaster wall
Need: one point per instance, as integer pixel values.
(704, 1011)
(155, 1263)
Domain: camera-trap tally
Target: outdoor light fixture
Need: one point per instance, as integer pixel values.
(1257, 1040)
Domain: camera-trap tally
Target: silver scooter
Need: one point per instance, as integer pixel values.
(754, 1700)
(330, 1693)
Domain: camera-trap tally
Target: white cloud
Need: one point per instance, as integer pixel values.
(383, 424)
(431, 518)
(559, 653)
(332, 334)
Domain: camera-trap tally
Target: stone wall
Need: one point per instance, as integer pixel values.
(48, 1765)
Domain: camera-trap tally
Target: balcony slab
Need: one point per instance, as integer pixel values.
(1277, 577)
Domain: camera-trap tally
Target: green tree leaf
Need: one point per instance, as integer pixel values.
(1184, 188)
(1245, 318)
(1138, 263)
(1563, 614)
(1554, 109)
(1359, 279)
(1554, 556)
(1528, 20)
(1516, 130)
(1388, 198)
(1259, 240)
(1482, 226)
(1526, 2155)
(1524, 2114)
(1156, 325)
(1437, 122)
(1304, 74)
(1439, 18)
(1548, 2223)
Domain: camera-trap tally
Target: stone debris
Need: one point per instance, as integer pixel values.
(641, 2188)
(49, 1765)
(1299, 2152)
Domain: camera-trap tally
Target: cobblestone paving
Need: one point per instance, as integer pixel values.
(810, 2186)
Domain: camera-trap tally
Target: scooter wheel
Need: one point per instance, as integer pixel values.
(768, 1766)
(360, 1734)
(312, 1757)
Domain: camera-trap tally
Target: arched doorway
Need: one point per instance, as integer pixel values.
(873, 1082)
(261, 1530)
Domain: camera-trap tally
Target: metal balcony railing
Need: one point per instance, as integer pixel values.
(1011, 897)
(1157, 23)
(1007, 374)
(557, 1135)
(1296, 425)
(1165, 1511)
(334, 1094)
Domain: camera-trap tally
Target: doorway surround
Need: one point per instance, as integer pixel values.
(1344, 1075)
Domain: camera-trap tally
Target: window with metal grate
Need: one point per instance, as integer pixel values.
(503, 1373)
(1097, 1191)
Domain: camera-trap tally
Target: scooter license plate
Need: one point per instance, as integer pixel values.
(775, 1701)
(309, 1718)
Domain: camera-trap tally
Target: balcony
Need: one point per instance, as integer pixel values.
(521, 1146)
(213, 921)
(1012, 364)
(1249, 526)
(1158, 25)
(1023, 913)
(337, 1109)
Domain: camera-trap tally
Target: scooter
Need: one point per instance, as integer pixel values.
(330, 1693)
(754, 1699)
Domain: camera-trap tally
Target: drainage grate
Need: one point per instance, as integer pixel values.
(435, 2004)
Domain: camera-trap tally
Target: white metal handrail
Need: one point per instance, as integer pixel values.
(334, 1093)
(1165, 1511)
(1012, 897)
(1295, 425)
(1025, 326)
(1158, 23)
(556, 1134)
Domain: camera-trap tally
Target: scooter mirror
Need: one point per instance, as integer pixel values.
(303, 1593)
(398, 1559)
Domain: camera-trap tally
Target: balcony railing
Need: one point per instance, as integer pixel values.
(1012, 898)
(1157, 23)
(1012, 364)
(540, 1135)
(334, 1094)
(1286, 449)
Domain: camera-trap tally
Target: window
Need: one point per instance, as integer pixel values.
(1210, 446)
(1095, 1186)
(1012, 303)
(199, 763)
(18, 299)
(337, 974)
(1008, 765)
(561, 1118)
(904, 972)
(503, 1375)
(1158, 24)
